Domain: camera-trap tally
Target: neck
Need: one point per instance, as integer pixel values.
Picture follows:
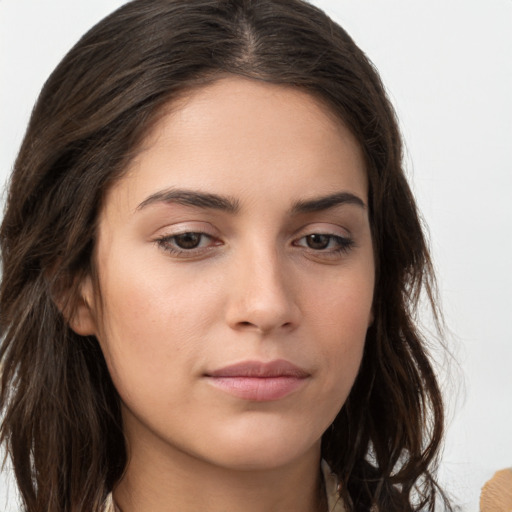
(155, 482)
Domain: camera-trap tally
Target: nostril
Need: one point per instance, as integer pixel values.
(251, 325)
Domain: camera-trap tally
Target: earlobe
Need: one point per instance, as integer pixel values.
(82, 319)
(79, 313)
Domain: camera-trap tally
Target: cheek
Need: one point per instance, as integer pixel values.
(341, 313)
(155, 317)
(142, 296)
(342, 303)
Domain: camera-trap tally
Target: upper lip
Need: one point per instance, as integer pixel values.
(276, 368)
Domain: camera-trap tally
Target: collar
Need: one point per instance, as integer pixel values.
(334, 502)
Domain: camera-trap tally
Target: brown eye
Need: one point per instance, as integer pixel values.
(188, 240)
(318, 242)
(325, 244)
(189, 244)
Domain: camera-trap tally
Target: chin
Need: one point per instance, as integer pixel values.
(266, 450)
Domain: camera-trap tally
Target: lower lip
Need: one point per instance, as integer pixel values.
(258, 389)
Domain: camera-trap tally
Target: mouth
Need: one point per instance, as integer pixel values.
(258, 381)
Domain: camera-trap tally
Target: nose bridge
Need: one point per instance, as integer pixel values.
(262, 295)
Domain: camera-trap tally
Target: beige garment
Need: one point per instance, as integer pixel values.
(497, 493)
(334, 503)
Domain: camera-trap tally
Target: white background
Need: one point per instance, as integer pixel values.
(448, 67)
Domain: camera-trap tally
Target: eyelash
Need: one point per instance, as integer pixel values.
(344, 244)
(165, 243)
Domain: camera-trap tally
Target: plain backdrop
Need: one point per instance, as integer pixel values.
(447, 65)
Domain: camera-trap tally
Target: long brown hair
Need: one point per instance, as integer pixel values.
(61, 415)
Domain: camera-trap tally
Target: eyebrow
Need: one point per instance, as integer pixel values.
(327, 202)
(193, 198)
(232, 205)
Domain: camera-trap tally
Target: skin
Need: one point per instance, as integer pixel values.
(258, 287)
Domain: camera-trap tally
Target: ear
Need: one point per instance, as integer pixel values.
(79, 312)
(82, 318)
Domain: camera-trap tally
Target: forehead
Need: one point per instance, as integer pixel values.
(237, 135)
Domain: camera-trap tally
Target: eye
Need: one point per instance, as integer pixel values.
(188, 240)
(186, 244)
(325, 243)
(317, 241)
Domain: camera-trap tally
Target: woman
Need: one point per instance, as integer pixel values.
(212, 261)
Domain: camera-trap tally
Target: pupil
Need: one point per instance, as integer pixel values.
(318, 241)
(188, 240)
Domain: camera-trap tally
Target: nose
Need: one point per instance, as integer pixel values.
(263, 295)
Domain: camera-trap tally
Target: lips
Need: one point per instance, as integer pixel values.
(258, 381)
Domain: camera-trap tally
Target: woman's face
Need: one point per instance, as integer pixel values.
(236, 275)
